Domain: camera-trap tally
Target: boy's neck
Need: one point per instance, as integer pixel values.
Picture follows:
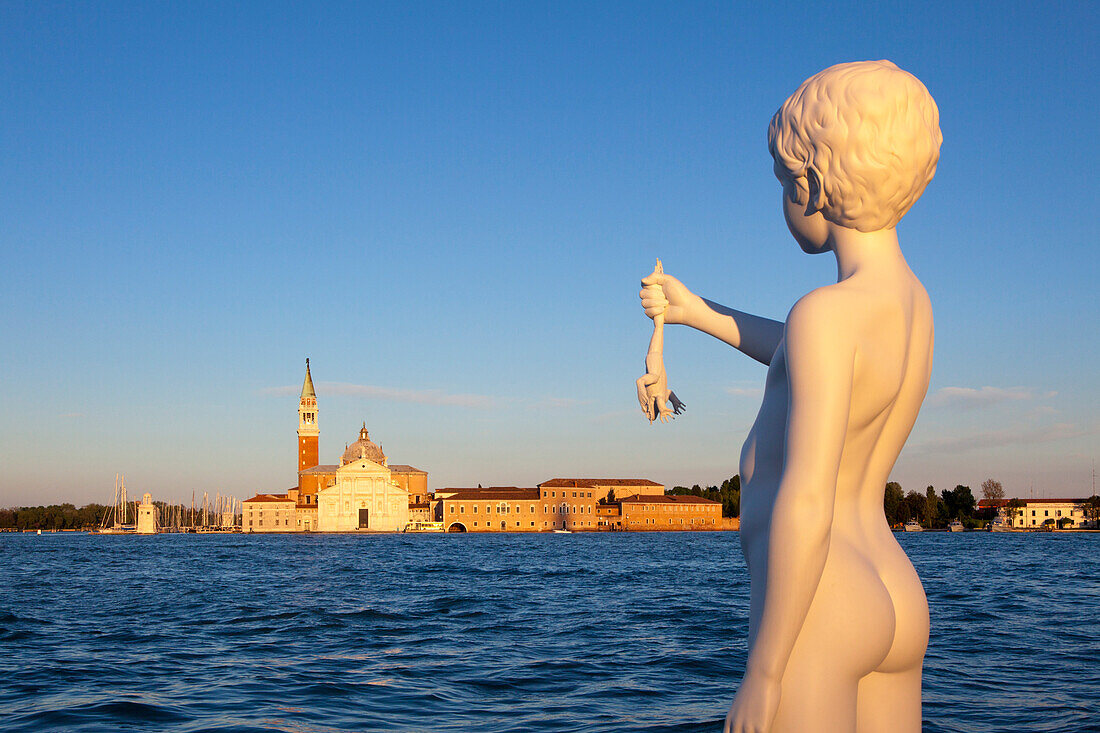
(865, 252)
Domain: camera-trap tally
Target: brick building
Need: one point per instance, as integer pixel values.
(570, 507)
(668, 513)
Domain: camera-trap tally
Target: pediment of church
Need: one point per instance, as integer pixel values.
(363, 466)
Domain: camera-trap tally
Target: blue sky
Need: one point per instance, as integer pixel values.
(448, 207)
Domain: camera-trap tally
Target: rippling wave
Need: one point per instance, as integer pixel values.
(494, 633)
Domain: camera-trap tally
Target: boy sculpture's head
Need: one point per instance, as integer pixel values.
(859, 142)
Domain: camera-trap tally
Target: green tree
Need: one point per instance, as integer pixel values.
(913, 507)
(933, 509)
(728, 494)
(958, 503)
(892, 500)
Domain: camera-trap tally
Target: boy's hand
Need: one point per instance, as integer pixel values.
(754, 707)
(665, 294)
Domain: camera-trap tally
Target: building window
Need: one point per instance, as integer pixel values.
(475, 508)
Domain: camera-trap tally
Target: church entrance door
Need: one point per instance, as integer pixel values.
(364, 518)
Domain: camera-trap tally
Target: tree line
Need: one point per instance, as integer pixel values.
(89, 516)
(54, 516)
(932, 510)
(728, 494)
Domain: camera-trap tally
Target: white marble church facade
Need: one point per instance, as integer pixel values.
(364, 496)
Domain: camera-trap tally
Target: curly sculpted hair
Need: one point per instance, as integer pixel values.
(860, 141)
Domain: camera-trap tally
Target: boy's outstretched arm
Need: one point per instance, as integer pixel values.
(752, 335)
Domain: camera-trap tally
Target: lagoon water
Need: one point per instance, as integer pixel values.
(494, 633)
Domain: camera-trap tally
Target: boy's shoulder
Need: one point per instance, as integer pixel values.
(832, 314)
(825, 304)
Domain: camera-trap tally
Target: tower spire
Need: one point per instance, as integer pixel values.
(307, 385)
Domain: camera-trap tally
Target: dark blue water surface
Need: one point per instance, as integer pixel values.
(582, 632)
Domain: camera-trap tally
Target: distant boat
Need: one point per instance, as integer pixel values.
(424, 527)
(563, 531)
(115, 520)
(913, 526)
(999, 525)
(955, 526)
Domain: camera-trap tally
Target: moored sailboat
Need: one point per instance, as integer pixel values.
(116, 518)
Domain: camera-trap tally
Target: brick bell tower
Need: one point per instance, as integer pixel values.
(307, 425)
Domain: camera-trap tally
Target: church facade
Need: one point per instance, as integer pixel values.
(361, 493)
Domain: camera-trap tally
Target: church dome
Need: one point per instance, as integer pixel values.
(363, 448)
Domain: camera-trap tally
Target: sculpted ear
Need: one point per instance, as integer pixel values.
(817, 198)
(800, 191)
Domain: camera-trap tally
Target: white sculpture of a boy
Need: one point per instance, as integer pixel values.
(838, 618)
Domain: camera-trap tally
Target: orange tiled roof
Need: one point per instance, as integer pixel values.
(269, 497)
(993, 503)
(664, 499)
(592, 483)
(493, 492)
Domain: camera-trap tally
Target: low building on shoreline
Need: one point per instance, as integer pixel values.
(495, 509)
(670, 513)
(269, 513)
(1033, 513)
